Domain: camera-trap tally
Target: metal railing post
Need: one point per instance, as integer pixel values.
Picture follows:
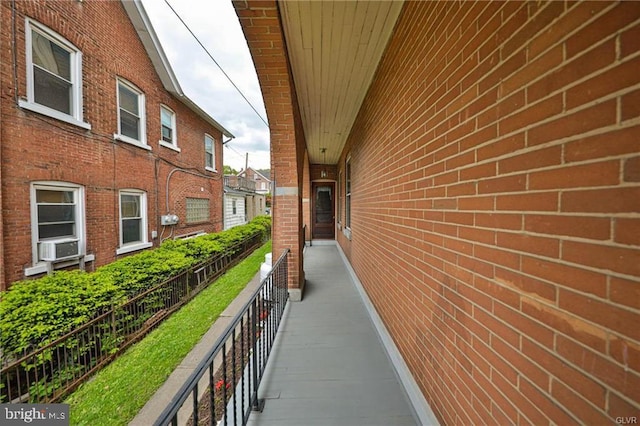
(256, 404)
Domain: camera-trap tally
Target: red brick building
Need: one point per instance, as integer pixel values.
(263, 184)
(483, 163)
(98, 141)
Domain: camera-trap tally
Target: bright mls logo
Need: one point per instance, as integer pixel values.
(36, 414)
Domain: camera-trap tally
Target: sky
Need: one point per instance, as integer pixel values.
(216, 25)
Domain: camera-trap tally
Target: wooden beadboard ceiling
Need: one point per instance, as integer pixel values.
(334, 48)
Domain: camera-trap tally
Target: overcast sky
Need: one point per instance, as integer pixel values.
(216, 25)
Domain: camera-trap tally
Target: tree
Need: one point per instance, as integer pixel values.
(227, 170)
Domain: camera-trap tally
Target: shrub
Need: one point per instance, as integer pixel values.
(35, 312)
(139, 272)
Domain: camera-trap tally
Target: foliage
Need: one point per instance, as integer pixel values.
(107, 399)
(141, 271)
(228, 170)
(33, 313)
(204, 247)
(36, 312)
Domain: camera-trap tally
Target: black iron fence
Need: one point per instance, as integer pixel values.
(224, 386)
(55, 370)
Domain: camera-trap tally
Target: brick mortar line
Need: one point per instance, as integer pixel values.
(555, 356)
(628, 124)
(536, 256)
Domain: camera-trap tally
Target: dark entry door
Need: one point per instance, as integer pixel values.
(323, 211)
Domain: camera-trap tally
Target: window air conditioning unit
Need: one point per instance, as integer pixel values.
(51, 251)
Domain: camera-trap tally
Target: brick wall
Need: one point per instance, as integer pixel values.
(260, 24)
(38, 148)
(496, 221)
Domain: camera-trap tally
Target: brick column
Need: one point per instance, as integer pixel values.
(260, 21)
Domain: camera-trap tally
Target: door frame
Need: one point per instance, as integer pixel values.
(314, 186)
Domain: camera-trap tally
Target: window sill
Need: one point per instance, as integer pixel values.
(41, 267)
(133, 247)
(49, 112)
(347, 233)
(211, 169)
(169, 145)
(131, 141)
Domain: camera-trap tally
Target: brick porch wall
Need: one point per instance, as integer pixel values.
(260, 23)
(500, 240)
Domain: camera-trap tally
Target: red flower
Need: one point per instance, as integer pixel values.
(220, 383)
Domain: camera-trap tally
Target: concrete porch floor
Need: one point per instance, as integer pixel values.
(328, 365)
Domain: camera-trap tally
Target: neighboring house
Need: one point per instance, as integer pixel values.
(234, 208)
(102, 153)
(241, 201)
(262, 180)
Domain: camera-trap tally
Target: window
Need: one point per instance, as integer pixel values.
(234, 209)
(347, 195)
(131, 115)
(57, 211)
(339, 195)
(197, 210)
(54, 75)
(133, 221)
(209, 153)
(168, 128)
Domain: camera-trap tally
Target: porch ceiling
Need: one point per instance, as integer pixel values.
(334, 49)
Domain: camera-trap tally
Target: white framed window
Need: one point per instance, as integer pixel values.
(133, 221)
(57, 220)
(209, 153)
(338, 197)
(54, 75)
(234, 207)
(347, 193)
(131, 115)
(168, 137)
(197, 210)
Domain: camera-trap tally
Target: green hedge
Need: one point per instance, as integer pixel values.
(36, 312)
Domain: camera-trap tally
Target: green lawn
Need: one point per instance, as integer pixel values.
(116, 394)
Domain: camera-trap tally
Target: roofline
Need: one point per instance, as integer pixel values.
(142, 24)
(237, 192)
(255, 171)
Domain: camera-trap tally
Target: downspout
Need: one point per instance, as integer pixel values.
(184, 171)
(15, 53)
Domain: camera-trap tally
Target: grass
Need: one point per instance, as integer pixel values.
(116, 394)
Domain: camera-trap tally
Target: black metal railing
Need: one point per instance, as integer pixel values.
(224, 386)
(53, 371)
